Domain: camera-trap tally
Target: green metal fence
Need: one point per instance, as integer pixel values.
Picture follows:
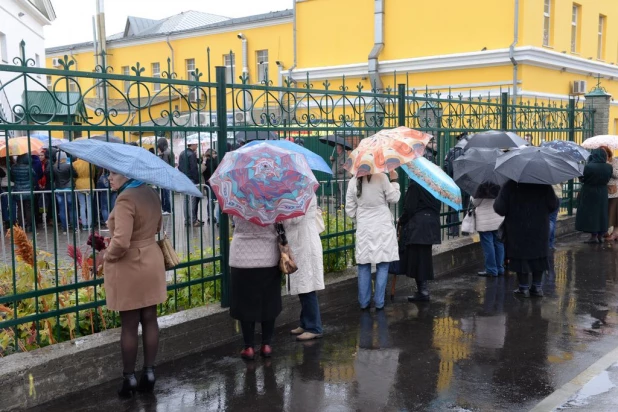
(48, 295)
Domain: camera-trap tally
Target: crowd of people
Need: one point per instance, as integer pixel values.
(26, 187)
(516, 223)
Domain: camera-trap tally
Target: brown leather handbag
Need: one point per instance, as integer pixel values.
(612, 189)
(170, 257)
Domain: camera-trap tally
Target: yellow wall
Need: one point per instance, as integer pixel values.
(334, 32)
(532, 21)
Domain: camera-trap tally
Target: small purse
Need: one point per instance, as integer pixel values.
(319, 221)
(170, 257)
(612, 189)
(286, 263)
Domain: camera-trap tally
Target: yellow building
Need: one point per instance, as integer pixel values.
(534, 49)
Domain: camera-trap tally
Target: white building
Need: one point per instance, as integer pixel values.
(21, 20)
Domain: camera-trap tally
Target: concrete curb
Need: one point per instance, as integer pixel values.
(33, 378)
(564, 393)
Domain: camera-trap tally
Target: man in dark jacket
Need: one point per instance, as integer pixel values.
(24, 177)
(453, 217)
(210, 164)
(187, 164)
(63, 175)
(526, 208)
(165, 154)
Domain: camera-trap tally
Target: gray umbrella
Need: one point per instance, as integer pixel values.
(539, 165)
(496, 140)
(476, 167)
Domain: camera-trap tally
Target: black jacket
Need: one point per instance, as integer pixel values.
(592, 216)
(526, 208)
(187, 164)
(420, 220)
(63, 175)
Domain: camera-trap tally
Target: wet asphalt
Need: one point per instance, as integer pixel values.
(474, 347)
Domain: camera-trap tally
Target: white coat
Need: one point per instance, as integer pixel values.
(376, 237)
(306, 249)
(487, 220)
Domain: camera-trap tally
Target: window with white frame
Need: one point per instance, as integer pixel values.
(126, 84)
(156, 72)
(49, 82)
(4, 55)
(261, 56)
(547, 23)
(190, 67)
(601, 38)
(229, 61)
(73, 85)
(575, 28)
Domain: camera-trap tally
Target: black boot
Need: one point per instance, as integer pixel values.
(523, 290)
(147, 380)
(536, 291)
(128, 386)
(422, 293)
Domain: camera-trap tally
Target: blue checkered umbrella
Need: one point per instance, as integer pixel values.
(132, 162)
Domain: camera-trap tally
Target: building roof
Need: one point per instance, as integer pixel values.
(53, 107)
(186, 22)
(45, 7)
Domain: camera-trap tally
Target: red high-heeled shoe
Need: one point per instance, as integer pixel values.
(248, 354)
(266, 351)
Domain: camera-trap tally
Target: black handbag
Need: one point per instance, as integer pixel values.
(395, 268)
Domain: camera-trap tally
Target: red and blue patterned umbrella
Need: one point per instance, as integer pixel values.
(264, 184)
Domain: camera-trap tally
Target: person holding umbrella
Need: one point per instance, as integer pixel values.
(487, 224)
(526, 201)
(133, 263)
(367, 202)
(592, 211)
(369, 195)
(420, 229)
(612, 190)
(262, 185)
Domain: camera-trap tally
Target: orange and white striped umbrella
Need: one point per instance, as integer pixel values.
(386, 150)
(19, 146)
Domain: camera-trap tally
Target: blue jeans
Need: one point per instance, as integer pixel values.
(493, 250)
(85, 209)
(552, 229)
(64, 202)
(310, 319)
(166, 202)
(364, 284)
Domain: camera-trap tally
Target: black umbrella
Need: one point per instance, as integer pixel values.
(495, 140)
(476, 168)
(539, 165)
(333, 141)
(251, 135)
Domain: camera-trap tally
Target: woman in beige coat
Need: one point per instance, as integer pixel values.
(135, 276)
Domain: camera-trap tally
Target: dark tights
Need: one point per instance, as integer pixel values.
(248, 332)
(128, 336)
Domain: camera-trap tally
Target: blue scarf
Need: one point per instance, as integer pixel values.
(130, 184)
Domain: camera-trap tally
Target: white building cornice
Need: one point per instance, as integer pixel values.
(529, 55)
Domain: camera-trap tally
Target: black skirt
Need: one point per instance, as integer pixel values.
(417, 262)
(256, 294)
(528, 265)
